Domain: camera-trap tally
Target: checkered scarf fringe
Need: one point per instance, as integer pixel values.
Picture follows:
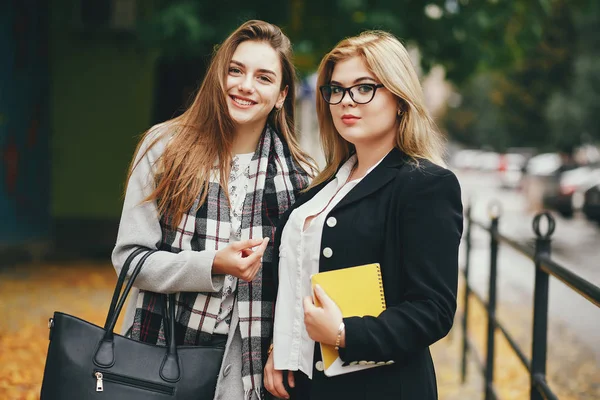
(274, 182)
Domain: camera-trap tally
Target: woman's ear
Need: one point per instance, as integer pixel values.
(281, 98)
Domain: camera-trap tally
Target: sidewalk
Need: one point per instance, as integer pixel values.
(30, 294)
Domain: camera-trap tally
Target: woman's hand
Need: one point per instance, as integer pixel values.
(238, 259)
(322, 323)
(274, 380)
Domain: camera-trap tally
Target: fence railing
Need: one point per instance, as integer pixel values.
(544, 268)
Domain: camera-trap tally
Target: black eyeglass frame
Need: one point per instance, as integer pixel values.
(349, 90)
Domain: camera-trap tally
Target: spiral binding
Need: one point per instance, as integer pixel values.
(381, 294)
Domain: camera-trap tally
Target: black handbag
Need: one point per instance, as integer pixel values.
(86, 361)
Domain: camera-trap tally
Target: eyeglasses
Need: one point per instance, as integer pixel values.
(360, 94)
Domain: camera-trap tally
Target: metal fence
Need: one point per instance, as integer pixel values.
(544, 268)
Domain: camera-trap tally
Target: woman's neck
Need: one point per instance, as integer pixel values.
(369, 155)
(246, 138)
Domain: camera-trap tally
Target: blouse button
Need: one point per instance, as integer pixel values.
(327, 252)
(320, 366)
(331, 222)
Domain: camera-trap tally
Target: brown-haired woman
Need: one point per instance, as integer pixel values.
(206, 189)
(384, 197)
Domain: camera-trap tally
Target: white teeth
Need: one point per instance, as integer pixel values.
(242, 102)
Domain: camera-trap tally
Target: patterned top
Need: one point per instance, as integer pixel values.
(238, 187)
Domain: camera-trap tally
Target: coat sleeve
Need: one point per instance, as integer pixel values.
(429, 230)
(163, 271)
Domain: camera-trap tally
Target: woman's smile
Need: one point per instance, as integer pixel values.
(242, 102)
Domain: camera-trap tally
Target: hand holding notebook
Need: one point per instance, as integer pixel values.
(357, 291)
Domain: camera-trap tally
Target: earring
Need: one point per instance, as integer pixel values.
(399, 113)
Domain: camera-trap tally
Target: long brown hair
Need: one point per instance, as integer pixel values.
(204, 133)
(389, 61)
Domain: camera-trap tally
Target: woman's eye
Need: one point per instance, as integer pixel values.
(265, 78)
(234, 70)
(336, 89)
(365, 88)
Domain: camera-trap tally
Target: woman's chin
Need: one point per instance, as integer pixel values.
(239, 118)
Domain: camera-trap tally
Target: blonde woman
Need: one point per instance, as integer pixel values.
(206, 190)
(384, 198)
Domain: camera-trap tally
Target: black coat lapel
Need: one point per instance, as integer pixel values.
(379, 177)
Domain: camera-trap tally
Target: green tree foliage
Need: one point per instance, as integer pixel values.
(512, 61)
(463, 35)
(541, 98)
(574, 111)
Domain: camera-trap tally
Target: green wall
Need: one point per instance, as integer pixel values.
(101, 96)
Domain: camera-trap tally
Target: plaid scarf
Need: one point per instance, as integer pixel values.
(274, 182)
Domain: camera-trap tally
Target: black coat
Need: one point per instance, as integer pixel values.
(407, 218)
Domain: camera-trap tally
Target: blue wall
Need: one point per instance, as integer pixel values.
(24, 133)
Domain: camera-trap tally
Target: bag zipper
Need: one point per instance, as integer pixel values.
(102, 376)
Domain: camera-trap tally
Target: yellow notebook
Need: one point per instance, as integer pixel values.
(358, 291)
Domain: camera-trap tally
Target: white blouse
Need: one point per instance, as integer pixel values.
(299, 255)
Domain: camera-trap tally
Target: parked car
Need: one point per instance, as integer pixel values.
(541, 174)
(487, 161)
(564, 197)
(591, 203)
(465, 159)
(578, 197)
(511, 170)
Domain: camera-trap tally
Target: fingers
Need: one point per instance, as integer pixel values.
(250, 271)
(256, 256)
(278, 385)
(268, 378)
(251, 261)
(307, 302)
(245, 244)
(246, 252)
(291, 380)
(254, 261)
(321, 295)
(274, 382)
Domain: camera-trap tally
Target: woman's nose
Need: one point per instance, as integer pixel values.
(247, 84)
(347, 100)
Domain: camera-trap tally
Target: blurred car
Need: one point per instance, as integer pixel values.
(564, 198)
(541, 174)
(578, 197)
(591, 203)
(465, 159)
(511, 170)
(487, 161)
(545, 164)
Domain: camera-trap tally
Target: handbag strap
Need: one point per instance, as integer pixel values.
(104, 355)
(168, 314)
(120, 281)
(108, 334)
(170, 369)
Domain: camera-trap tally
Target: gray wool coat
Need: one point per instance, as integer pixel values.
(167, 272)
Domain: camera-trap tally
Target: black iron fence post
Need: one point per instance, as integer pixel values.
(495, 211)
(545, 268)
(465, 341)
(540, 303)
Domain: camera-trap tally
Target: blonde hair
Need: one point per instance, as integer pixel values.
(204, 133)
(389, 61)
